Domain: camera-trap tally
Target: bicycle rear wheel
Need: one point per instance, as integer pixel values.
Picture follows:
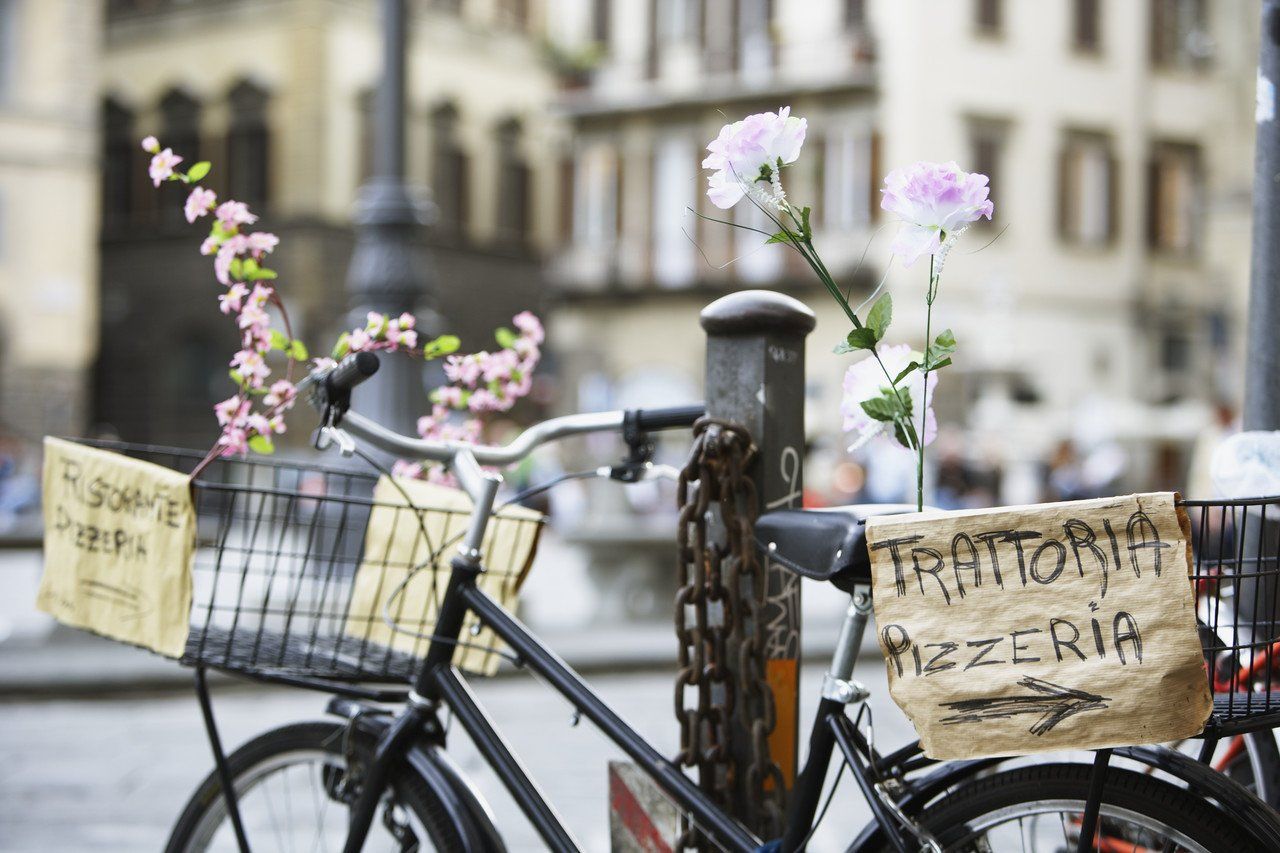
(1039, 808)
(292, 789)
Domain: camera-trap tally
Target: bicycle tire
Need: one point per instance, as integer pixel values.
(1257, 767)
(1173, 809)
(409, 790)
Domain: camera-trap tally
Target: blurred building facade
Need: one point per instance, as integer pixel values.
(1107, 309)
(48, 199)
(278, 94)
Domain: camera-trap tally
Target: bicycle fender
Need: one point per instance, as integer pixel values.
(1254, 814)
(465, 806)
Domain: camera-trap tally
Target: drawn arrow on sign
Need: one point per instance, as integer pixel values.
(1052, 702)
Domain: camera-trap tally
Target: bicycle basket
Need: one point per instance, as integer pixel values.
(1237, 586)
(303, 570)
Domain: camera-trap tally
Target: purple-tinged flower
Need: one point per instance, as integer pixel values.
(151, 145)
(231, 410)
(282, 392)
(934, 201)
(234, 441)
(162, 164)
(234, 213)
(462, 369)
(210, 245)
(530, 326)
(251, 365)
(866, 380)
(323, 363)
(260, 243)
(232, 299)
(230, 249)
(359, 340)
(199, 202)
(750, 151)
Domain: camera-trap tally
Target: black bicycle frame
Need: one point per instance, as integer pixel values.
(440, 682)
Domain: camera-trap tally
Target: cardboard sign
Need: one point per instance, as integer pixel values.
(1038, 628)
(399, 580)
(119, 535)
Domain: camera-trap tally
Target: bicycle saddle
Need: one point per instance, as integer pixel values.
(822, 544)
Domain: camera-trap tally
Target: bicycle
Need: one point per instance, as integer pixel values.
(382, 765)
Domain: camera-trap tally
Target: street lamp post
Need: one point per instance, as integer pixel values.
(1262, 369)
(390, 270)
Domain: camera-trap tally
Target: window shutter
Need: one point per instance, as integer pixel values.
(1113, 197)
(1153, 201)
(1064, 194)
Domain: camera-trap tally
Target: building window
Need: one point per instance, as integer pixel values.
(514, 182)
(1175, 189)
(248, 145)
(675, 189)
(1180, 33)
(180, 119)
(450, 167)
(754, 44)
(513, 14)
(180, 130)
(987, 141)
(678, 21)
(600, 22)
(855, 14)
(595, 196)
(8, 46)
(118, 157)
(988, 17)
(1087, 184)
(1086, 34)
(848, 185)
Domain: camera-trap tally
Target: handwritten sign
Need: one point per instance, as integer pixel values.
(405, 568)
(119, 534)
(1039, 628)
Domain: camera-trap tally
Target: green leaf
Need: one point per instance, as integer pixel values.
(262, 272)
(906, 371)
(946, 362)
(236, 377)
(216, 230)
(863, 338)
(943, 345)
(262, 444)
(298, 351)
(199, 170)
(248, 267)
(505, 337)
(343, 346)
(901, 433)
(805, 231)
(880, 409)
(780, 237)
(237, 268)
(443, 345)
(278, 340)
(880, 315)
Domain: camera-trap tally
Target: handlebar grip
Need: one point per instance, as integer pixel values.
(672, 418)
(351, 371)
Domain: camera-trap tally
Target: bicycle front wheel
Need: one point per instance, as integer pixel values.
(1040, 808)
(292, 790)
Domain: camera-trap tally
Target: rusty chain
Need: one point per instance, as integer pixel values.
(720, 630)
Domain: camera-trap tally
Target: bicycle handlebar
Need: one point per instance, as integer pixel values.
(355, 369)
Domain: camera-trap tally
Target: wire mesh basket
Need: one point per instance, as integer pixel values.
(302, 570)
(1236, 575)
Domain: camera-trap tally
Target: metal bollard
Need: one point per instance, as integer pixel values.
(755, 377)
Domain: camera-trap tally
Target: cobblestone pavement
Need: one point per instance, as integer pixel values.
(112, 774)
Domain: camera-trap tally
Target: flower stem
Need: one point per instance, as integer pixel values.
(924, 402)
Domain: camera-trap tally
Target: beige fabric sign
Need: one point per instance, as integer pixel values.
(397, 547)
(1039, 628)
(119, 535)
